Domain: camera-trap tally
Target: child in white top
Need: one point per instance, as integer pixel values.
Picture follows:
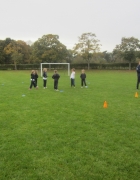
(72, 77)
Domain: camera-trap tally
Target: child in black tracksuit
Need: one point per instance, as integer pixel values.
(33, 83)
(56, 77)
(83, 78)
(36, 77)
(45, 78)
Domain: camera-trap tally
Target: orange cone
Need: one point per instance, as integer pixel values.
(105, 104)
(136, 95)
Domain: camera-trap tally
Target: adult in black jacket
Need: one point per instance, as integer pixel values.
(138, 75)
(56, 77)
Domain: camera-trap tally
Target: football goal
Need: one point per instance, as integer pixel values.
(68, 64)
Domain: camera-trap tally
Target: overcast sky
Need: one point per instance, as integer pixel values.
(110, 20)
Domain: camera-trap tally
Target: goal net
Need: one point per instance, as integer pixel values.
(67, 64)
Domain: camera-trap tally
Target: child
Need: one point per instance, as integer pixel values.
(32, 80)
(72, 77)
(83, 78)
(56, 77)
(36, 76)
(44, 77)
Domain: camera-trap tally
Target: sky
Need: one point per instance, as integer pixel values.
(109, 20)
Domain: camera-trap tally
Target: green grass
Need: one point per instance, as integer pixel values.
(49, 135)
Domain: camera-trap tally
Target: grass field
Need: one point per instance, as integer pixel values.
(68, 135)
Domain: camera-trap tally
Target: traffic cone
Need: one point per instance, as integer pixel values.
(105, 104)
(136, 95)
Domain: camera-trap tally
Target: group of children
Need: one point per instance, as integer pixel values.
(56, 76)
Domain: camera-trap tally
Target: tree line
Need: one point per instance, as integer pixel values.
(49, 49)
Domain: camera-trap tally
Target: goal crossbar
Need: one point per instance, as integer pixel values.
(56, 63)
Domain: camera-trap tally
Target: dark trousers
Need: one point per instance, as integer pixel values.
(138, 81)
(44, 82)
(55, 84)
(72, 82)
(32, 84)
(36, 81)
(83, 82)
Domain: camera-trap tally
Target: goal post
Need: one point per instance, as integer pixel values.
(56, 63)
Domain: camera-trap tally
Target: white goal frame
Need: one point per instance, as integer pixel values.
(55, 63)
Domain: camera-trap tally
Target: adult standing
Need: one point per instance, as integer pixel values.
(138, 75)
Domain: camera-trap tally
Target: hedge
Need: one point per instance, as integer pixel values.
(106, 66)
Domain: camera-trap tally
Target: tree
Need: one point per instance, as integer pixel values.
(128, 49)
(25, 50)
(4, 58)
(16, 57)
(14, 50)
(2, 55)
(87, 46)
(49, 49)
(107, 56)
(69, 56)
